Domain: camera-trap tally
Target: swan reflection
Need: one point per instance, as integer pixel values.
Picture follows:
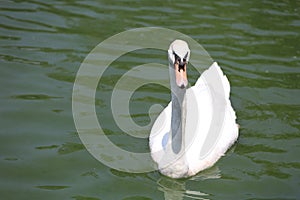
(178, 189)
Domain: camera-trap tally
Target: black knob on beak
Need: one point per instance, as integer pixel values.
(181, 66)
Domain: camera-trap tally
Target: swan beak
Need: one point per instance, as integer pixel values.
(181, 76)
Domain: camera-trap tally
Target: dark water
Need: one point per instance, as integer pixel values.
(43, 43)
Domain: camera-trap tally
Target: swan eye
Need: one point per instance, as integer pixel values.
(185, 57)
(177, 58)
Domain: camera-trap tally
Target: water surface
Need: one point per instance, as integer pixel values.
(42, 45)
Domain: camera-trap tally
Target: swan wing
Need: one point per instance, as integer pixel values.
(159, 133)
(210, 125)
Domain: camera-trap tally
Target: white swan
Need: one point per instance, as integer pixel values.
(199, 124)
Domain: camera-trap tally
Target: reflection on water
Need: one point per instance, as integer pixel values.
(177, 189)
(79, 197)
(52, 187)
(42, 45)
(34, 97)
(64, 148)
(172, 189)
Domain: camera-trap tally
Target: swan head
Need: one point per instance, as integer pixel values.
(179, 54)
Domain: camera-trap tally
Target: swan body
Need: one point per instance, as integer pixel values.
(179, 137)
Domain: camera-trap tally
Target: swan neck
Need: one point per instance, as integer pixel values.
(178, 114)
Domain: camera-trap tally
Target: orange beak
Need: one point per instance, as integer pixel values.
(181, 76)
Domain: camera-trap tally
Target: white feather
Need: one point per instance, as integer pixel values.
(198, 102)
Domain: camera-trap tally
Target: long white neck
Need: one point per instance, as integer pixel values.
(178, 113)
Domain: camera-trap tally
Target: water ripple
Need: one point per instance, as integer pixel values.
(43, 44)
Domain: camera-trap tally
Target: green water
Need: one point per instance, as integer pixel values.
(43, 43)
